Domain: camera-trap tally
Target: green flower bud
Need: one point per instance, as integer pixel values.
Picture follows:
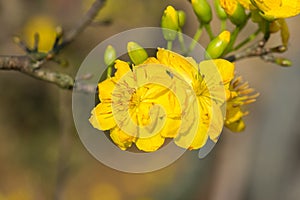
(235, 11)
(218, 45)
(170, 23)
(109, 58)
(17, 40)
(239, 17)
(181, 18)
(136, 53)
(284, 32)
(202, 10)
(219, 10)
(109, 55)
(283, 62)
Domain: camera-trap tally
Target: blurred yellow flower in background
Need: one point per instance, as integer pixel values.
(104, 191)
(45, 26)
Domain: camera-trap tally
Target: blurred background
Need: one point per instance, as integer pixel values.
(41, 156)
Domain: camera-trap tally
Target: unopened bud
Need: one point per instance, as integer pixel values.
(285, 33)
(235, 11)
(202, 10)
(283, 62)
(279, 49)
(17, 39)
(59, 31)
(219, 10)
(218, 45)
(181, 18)
(109, 55)
(109, 58)
(136, 53)
(170, 23)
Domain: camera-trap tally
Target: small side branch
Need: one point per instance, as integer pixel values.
(259, 50)
(85, 21)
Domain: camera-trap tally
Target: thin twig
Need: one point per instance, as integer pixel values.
(83, 23)
(259, 50)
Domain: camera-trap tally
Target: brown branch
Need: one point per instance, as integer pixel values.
(259, 50)
(31, 63)
(32, 68)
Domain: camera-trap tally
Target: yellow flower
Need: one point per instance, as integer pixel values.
(273, 9)
(146, 114)
(240, 95)
(129, 118)
(210, 95)
(45, 27)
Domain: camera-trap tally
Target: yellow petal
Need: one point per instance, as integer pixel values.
(216, 123)
(142, 114)
(151, 60)
(246, 4)
(153, 93)
(180, 64)
(102, 117)
(196, 136)
(106, 88)
(233, 114)
(150, 144)
(224, 68)
(237, 126)
(122, 68)
(217, 76)
(193, 141)
(121, 139)
(171, 127)
(273, 9)
(229, 6)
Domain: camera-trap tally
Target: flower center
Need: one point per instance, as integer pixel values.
(135, 100)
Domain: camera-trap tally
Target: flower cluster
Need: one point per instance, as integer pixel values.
(172, 96)
(121, 94)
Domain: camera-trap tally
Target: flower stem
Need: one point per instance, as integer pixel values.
(247, 40)
(233, 38)
(209, 31)
(181, 41)
(109, 71)
(195, 38)
(169, 45)
(267, 31)
(223, 25)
